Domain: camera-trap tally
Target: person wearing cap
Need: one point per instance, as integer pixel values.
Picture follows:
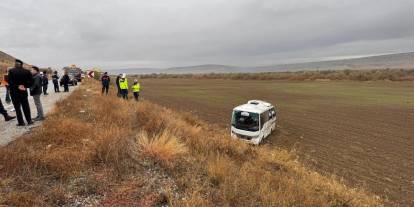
(20, 80)
(65, 81)
(123, 85)
(105, 83)
(135, 89)
(55, 80)
(45, 82)
(36, 91)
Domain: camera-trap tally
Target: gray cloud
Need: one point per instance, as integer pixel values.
(162, 33)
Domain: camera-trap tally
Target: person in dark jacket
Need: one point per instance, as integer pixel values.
(117, 85)
(3, 112)
(20, 80)
(45, 83)
(36, 91)
(65, 81)
(55, 80)
(105, 83)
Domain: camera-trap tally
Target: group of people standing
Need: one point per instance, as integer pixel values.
(19, 83)
(121, 83)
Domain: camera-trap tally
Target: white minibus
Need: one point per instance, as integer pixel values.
(253, 121)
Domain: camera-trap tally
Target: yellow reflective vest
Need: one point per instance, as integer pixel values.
(136, 87)
(123, 83)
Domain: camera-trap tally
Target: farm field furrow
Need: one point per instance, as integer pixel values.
(361, 131)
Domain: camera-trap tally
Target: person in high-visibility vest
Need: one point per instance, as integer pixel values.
(135, 89)
(123, 85)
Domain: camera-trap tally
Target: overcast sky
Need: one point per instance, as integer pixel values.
(164, 33)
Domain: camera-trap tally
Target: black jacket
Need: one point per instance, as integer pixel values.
(36, 88)
(19, 76)
(55, 78)
(117, 81)
(45, 80)
(65, 79)
(105, 80)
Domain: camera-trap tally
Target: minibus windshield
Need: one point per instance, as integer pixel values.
(245, 121)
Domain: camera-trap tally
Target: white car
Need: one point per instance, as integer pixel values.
(253, 121)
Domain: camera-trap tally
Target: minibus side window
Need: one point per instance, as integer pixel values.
(264, 117)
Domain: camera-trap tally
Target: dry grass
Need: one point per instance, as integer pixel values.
(164, 147)
(355, 75)
(220, 168)
(141, 154)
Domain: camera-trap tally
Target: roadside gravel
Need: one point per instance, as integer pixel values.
(9, 130)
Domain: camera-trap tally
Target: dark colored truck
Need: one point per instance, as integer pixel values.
(75, 74)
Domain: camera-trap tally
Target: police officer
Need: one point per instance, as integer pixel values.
(19, 80)
(123, 85)
(135, 89)
(105, 83)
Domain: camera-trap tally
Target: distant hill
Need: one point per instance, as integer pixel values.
(178, 70)
(393, 61)
(134, 71)
(202, 69)
(6, 59)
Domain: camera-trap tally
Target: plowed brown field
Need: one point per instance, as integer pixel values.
(361, 131)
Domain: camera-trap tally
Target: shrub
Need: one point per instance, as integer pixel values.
(347, 74)
(163, 147)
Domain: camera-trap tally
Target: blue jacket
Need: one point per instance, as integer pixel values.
(105, 80)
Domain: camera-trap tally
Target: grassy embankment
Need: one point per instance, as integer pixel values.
(109, 152)
(356, 75)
